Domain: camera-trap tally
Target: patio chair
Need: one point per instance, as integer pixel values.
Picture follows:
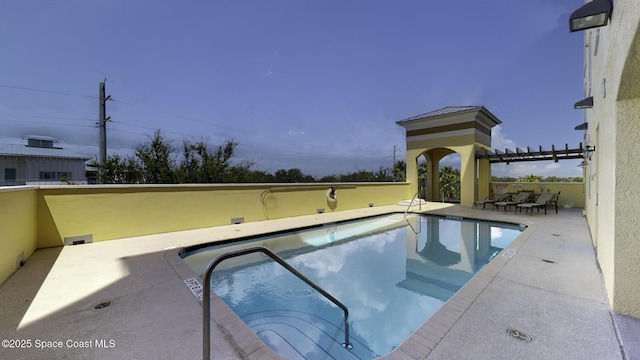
(554, 201)
(542, 201)
(493, 200)
(522, 197)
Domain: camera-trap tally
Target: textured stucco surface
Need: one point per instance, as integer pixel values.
(612, 77)
(627, 258)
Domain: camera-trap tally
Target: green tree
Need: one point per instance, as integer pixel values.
(291, 176)
(400, 171)
(423, 170)
(201, 165)
(156, 163)
(119, 170)
(503, 179)
(449, 182)
(529, 178)
(422, 179)
(242, 173)
(383, 174)
(330, 178)
(153, 163)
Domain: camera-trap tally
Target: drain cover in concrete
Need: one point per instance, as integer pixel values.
(517, 334)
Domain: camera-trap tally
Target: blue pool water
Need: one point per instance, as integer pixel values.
(391, 274)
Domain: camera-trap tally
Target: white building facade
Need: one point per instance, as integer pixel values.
(39, 162)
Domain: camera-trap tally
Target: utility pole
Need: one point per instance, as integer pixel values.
(102, 124)
(394, 156)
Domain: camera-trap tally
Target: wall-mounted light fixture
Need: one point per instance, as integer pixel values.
(583, 164)
(593, 14)
(586, 103)
(588, 152)
(583, 126)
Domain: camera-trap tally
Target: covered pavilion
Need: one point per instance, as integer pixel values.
(465, 130)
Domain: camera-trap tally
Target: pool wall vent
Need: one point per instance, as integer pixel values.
(238, 220)
(20, 260)
(78, 239)
(320, 211)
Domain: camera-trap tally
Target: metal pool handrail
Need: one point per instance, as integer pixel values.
(206, 300)
(411, 203)
(406, 211)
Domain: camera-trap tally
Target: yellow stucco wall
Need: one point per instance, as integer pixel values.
(18, 227)
(32, 218)
(117, 212)
(626, 295)
(612, 200)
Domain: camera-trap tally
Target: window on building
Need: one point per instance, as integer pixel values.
(40, 143)
(53, 175)
(9, 175)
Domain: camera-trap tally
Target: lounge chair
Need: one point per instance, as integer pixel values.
(522, 197)
(543, 200)
(554, 201)
(495, 199)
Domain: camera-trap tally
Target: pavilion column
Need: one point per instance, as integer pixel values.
(467, 176)
(468, 237)
(484, 178)
(412, 171)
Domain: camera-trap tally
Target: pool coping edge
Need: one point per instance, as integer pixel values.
(416, 346)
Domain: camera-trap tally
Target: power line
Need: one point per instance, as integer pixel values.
(260, 136)
(48, 117)
(47, 91)
(189, 118)
(151, 128)
(262, 148)
(44, 123)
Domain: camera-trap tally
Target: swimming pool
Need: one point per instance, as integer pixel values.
(391, 272)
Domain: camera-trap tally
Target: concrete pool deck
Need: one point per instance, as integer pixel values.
(549, 288)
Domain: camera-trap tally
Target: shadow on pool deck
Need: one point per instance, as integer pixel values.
(550, 289)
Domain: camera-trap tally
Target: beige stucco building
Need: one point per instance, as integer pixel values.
(612, 127)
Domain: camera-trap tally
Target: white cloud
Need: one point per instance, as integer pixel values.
(499, 140)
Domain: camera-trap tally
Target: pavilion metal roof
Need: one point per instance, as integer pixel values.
(448, 111)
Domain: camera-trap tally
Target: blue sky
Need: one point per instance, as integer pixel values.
(315, 85)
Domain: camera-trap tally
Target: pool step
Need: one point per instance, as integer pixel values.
(301, 335)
